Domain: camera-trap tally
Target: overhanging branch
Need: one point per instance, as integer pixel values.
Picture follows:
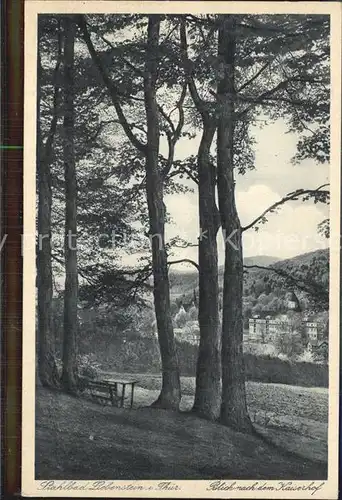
(174, 136)
(113, 91)
(199, 103)
(289, 197)
(254, 77)
(186, 261)
(314, 289)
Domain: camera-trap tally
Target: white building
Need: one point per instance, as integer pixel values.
(268, 328)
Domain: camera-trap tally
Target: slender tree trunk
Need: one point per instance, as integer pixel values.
(234, 408)
(170, 394)
(208, 374)
(47, 369)
(69, 375)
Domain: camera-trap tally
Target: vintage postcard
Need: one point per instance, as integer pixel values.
(181, 249)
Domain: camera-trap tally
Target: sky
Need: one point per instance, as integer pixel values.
(291, 231)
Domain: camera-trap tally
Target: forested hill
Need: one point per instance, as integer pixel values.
(183, 282)
(265, 289)
(259, 260)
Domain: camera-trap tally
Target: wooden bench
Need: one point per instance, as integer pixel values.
(123, 382)
(107, 390)
(101, 391)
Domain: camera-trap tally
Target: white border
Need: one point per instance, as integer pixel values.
(190, 489)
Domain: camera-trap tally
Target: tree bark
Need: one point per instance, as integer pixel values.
(47, 369)
(170, 394)
(208, 373)
(234, 408)
(69, 374)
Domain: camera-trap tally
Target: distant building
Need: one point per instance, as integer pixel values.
(311, 330)
(293, 302)
(268, 328)
(320, 350)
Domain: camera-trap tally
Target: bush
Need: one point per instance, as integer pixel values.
(187, 357)
(88, 366)
(261, 349)
(277, 371)
(193, 313)
(181, 318)
(142, 355)
(306, 357)
(289, 344)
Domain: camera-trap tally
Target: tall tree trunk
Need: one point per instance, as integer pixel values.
(208, 374)
(170, 394)
(234, 408)
(69, 375)
(47, 369)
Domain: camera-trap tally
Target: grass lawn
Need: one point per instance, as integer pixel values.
(295, 418)
(79, 439)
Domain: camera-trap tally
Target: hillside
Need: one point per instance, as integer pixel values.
(78, 439)
(183, 282)
(260, 260)
(266, 289)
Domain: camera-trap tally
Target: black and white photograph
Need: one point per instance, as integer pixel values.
(180, 246)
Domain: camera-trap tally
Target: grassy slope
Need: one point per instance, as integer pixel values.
(78, 439)
(295, 418)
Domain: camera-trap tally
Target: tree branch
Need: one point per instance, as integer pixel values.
(313, 289)
(47, 152)
(199, 103)
(254, 77)
(186, 245)
(118, 51)
(166, 118)
(289, 197)
(173, 138)
(268, 94)
(113, 91)
(181, 261)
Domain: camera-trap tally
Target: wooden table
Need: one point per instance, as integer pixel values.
(113, 388)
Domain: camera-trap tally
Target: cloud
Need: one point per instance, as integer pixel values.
(273, 168)
(183, 209)
(290, 231)
(254, 201)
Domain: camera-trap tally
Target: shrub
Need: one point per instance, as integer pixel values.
(87, 366)
(193, 313)
(278, 371)
(181, 318)
(306, 357)
(59, 366)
